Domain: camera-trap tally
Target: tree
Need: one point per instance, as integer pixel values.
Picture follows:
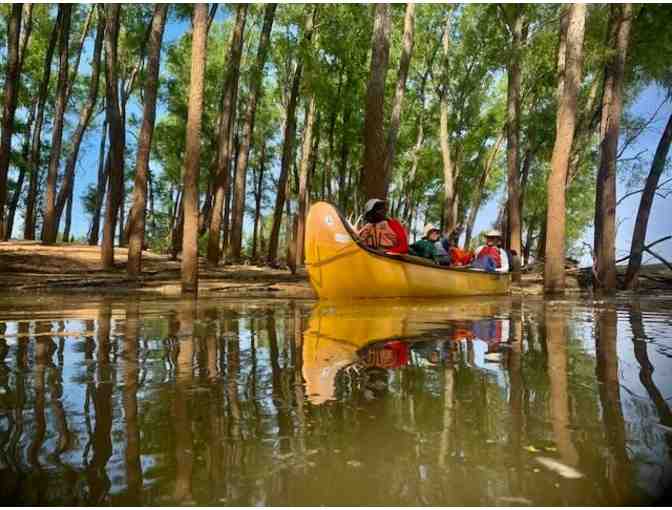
(9, 104)
(221, 180)
(645, 204)
(569, 70)
(116, 135)
(256, 82)
(620, 20)
(374, 176)
(193, 150)
(138, 210)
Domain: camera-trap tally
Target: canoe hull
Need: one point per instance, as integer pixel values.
(340, 269)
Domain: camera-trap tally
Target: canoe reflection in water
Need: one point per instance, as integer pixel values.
(365, 341)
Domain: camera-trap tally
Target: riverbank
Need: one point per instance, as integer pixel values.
(29, 267)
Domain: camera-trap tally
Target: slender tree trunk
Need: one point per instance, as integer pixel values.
(645, 204)
(14, 201)
(103, 172)
(114, 122)
(345, 152)
(68, 218)
(85, 115)
(395, 118)
(34, 162)
(374, 176)
(306, 157)
(138, 210)
(513, 136)
(287, 151)
(11, 94)
(258, 194)
(256, 90)
(193, 150)
(554, 267)
(449, 218)
(226, 126)
(612, 102)
(49, 228)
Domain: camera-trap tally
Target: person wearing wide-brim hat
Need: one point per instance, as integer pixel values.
(381, 232)
(426, 247)
(490, 256)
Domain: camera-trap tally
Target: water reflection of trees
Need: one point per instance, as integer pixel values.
(208, 404)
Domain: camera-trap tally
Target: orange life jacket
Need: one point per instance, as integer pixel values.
(378, 235)
(492, 252)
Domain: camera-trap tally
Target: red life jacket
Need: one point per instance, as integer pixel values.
(492, 252)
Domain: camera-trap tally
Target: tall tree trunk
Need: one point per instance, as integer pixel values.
(620, 21)
(49, 228)
(306, 158)
(258, 194)
(395, 118)
(554, 265)
(513, 135)
(256, 90)
(114, 122)
(193, 151)
(345, 152)
(226, 126)
(645, 204)
(103, 172)
(34, 162)
(85, 115)
(287, 150)
(449, 219)
(478, 192)
(68, 218)
(11, 94)
(137, 215)
(14, 201)
(373, 164)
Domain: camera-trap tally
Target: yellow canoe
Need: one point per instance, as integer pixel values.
(340, 267)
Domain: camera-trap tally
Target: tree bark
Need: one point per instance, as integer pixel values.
(258, 194)
(395, 118)
(554, 264)
(137, 215)
(612, 102)
(256, 90)
(513, 136)
(115, 127)
(373, 164)
(645, 204)
(227, 123)
(193, 150)
(11, 94)
(306, 157)
(49, 228)
(34, 162)
(449, 218)
(287, 151)
(103, 172)
(65, 193)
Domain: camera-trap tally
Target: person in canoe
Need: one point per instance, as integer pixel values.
(426, 247)
(450, 255)
(491, 257)
(381, 232)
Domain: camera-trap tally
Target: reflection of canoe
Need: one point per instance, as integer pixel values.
(339, 267)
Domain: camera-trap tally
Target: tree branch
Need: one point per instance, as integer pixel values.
(639, 131)
(646, 248)
(669, 266)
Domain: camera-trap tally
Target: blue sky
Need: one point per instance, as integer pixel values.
(660, 223)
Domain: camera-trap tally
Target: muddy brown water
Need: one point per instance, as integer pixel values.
(107, 401)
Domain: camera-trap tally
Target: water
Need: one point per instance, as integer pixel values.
(463, 402)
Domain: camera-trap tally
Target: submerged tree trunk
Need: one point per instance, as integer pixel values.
(11, 94)
(114, 122)
(49, 228)
(554, 267)
(645, 204)
(287, 152)
(620, 21)
(65, 193)
(306, 158)
(193, 151)
(101, 184)
(221, 181)
(395, 118)
(137, 215)
(256, 82)
(373, 164)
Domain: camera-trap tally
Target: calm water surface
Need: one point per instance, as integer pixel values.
(463, 402)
